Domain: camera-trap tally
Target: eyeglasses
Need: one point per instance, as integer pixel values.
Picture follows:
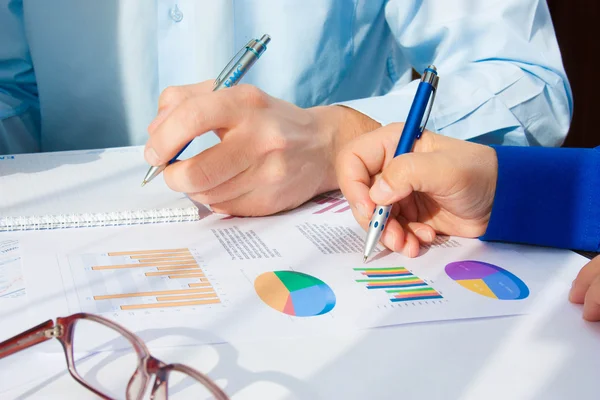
(71, 330)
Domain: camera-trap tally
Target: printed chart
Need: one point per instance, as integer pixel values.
(295, 293)
(141, 280)
(401, 284)
(12, 284)
(331, 203)
(487, 280)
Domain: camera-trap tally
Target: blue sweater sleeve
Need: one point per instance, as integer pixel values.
(547, 197)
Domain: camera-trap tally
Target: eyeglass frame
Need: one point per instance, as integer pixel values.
(148, 365)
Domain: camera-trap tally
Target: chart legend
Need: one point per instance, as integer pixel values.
(294, 293)
(141, 280)
(398, 282)
(487, 280)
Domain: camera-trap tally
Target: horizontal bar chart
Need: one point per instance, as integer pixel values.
(176, 274)
(398, 282)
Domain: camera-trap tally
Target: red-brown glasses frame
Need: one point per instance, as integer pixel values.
(147, 364)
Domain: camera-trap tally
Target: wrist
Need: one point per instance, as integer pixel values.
(337, 126)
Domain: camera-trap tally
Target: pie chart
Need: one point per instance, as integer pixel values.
(487, 280)
(295, 293)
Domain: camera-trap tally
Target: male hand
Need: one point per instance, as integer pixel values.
(444, 186)
(586, 290)
(273, 155)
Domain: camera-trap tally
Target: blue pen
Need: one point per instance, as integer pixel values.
(230, 76)
(412, 131)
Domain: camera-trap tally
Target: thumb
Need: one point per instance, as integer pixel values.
(412, 172)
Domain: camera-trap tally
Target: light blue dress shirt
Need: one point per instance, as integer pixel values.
(87, 74)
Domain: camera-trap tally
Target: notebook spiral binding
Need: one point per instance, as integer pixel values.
(99, 219)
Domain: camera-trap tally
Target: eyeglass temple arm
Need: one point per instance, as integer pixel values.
(31, 337)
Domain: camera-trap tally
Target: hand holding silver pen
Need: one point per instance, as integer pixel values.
(230, 76)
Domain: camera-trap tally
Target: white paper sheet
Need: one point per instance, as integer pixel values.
(232, 253)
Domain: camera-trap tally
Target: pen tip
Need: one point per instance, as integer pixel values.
(365, 259)
(143, 183)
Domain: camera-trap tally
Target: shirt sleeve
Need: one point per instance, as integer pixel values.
(19, 106)
(502, 79)
(548, 197)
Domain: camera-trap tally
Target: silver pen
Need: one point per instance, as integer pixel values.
(230, 76)
(410, 133)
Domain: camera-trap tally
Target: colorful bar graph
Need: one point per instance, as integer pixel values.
(401, 284)
(384, 272)
(413, 294)
(174, 304)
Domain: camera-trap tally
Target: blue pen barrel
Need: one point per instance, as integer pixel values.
(412, 125)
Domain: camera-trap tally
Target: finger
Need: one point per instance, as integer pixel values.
(413, 172)
(359, 161)
(173, 96)
(242, 183)
(210, 168)
(583, 281)
(591, 306)
(191, 118)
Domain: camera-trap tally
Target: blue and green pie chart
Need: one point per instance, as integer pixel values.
(295, 293)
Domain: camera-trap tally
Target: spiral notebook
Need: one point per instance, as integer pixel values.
(86, 188)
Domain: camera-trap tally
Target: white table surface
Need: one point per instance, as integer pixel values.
(550, 354)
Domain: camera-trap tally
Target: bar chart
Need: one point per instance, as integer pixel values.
(333, 203)
(141, 280)
(398, 283)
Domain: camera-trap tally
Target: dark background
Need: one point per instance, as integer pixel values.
(575, 23)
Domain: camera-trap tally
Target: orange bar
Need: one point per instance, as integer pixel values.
(177, 267)
(156, 264)
(171, 259)
(163, 255)
(177, 304)
(188, 297)
(142, 294)
(130, 253)
(203, 284)
(181, 272)
(187, 276)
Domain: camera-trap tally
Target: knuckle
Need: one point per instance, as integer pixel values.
(171, 95)
(253, 96)
(277, 173)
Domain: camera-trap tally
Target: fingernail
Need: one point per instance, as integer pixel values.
(381, 191)
(151, 156)
(424, 234)
(362, 210)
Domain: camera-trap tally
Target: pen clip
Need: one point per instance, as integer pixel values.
(428, 112)
(231, 62)
(432, 79)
